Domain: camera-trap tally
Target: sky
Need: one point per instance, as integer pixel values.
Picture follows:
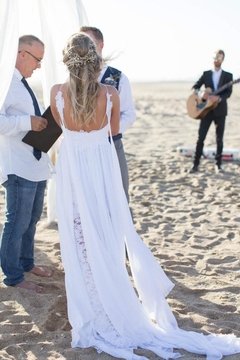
(161, 40)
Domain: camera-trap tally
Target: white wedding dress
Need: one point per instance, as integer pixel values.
(107, 309)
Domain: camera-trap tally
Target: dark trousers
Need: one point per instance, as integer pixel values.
(123, 164)
(204, 126)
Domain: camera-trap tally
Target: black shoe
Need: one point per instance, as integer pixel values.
(194, 169)
(218, 169)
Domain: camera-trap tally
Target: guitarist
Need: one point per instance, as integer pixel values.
(213, 79)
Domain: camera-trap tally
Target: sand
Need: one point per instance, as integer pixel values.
(190, 222)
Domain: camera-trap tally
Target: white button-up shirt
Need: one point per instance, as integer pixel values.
(216, 74)
(17, 157)
(127, 108)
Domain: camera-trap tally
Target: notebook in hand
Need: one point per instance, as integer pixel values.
(44, 140)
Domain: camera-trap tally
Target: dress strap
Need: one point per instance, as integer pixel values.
(60, 105)
(108, 111)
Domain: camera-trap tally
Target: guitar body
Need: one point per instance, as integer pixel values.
(197, 108)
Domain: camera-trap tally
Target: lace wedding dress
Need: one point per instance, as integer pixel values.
(108, 309)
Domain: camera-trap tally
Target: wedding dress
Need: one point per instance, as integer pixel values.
(108, 309)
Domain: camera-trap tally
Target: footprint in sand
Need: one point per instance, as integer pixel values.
(57, 318)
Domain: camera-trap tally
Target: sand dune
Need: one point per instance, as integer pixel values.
(190, 222)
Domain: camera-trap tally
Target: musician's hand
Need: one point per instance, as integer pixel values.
(38, 123)
(213, 98)
(205, 96)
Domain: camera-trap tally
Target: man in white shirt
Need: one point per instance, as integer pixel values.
(23, 169)
(112, 76)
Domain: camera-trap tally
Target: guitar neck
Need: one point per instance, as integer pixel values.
(230, 83)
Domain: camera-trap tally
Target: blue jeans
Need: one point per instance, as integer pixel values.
(24, 204)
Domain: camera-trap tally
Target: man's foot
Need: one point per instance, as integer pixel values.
(29, 285)
(194, 169)
(218, 169)
(42, 271)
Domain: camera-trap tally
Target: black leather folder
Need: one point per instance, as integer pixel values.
(44, 140)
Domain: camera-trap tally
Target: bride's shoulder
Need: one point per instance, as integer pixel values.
(58, 87)
(109, 89)
(55, 87)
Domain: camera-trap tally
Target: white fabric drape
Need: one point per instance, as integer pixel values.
(59, 19)
(52, 21)
(9, 32)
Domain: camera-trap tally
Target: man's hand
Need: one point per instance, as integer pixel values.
(38, 123)
(213, 98)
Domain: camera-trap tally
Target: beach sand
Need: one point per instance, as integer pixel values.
(190, 222)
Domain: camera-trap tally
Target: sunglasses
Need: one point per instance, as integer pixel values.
(37, 59)
(218, 58)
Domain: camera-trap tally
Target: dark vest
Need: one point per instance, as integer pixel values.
(112, 77)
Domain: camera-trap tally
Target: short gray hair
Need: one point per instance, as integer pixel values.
(29, 40)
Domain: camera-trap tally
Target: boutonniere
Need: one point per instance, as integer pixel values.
(112, 80)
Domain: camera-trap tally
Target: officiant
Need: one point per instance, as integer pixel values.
(23, 169)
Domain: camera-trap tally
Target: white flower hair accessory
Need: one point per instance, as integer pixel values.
(76, 59)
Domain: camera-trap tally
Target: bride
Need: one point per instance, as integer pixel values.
(108, 308)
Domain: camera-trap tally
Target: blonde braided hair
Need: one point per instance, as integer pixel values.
(84, 65)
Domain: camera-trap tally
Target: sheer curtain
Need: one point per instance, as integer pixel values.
(52, 21)
(9, 33)
(59, 19)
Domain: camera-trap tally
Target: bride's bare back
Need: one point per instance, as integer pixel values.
(100, 119)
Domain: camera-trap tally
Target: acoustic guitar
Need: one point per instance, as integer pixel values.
(197, 108)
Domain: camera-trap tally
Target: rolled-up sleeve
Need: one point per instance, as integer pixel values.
(10, 125)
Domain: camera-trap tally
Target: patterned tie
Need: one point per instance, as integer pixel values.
(37, 153)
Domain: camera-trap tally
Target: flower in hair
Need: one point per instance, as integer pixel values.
(76, 59)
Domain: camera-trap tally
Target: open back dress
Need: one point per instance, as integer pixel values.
(109, 309)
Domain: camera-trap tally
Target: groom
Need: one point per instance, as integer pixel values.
(112, 76)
